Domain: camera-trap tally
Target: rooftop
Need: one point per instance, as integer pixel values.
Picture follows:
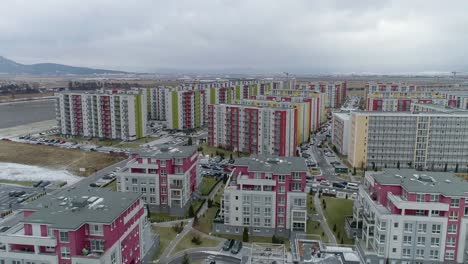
(342, 115)
(445, 183)
(71, 208)
(440, 108)
(276, 164)
(166, 152)
(434, 113)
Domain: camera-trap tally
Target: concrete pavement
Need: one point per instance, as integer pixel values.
(323, 220)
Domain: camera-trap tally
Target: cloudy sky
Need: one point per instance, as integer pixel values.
(303, 36)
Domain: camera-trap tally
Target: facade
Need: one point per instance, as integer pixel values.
(409, 216)
(458, 99)
(157, 102)
(403, 104)
(425, 140)
(111, 114)
(79, 226)
(265, 194)
(253, 129)
(166, 177)
(340, 132)
(185, 109)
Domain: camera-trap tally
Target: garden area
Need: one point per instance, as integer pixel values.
(335, 211)
(207, 185)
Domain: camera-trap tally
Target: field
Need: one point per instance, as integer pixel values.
(105, 142)
(56, 158)
(207, 184)
(24, 183)
(186, 243)
(166, 235)
(335, 212)
(211, 151)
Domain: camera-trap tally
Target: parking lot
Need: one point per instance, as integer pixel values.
(11, 202)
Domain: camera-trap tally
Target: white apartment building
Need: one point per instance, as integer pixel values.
(111, 114)
(340, 132)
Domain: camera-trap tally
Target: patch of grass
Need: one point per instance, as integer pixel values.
(23, 183)
(163, 217)
(335, 213)
(136, 143)
(197, 204)
(254, 239)
(205, 222)
(207, 184)
(186, 243)
(112, 185)
(56, 158)
(166, 235)
(211, 151)
(315, 228)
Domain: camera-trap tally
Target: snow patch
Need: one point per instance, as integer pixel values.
(21, 172)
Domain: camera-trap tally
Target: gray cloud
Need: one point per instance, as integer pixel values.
(295, 35)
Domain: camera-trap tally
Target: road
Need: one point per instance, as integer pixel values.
(220, 258)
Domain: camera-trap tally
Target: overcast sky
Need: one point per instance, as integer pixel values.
(302, 36)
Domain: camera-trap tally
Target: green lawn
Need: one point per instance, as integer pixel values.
(163, 217)
(211, 151)
(207, 184)
(166, 235)
(197, 204)
(255, 239)
(112, 185)
(205, 223)
(24, 183)
(186, 243)
(335, 213)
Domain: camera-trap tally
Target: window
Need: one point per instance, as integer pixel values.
(435, 241)
(422, 228)
(256, 210)
(163, 181)
(453, 215)
(296, 176)
(281, 211)
(246, 210)
(281, 222)
(246, 220)
(113, 258)
(135, 188)
(257, 199)
(435, 212)
(97, 245)
(394, 250)
(421, 241)
(452, 229)
(466, 210)
(152, 199)
(406, 252)
(420, 253)
(281, 178)
(65, 252)
(268, 176)
(178, 161)
(299, 202)
(267, 222)
(407, 240)
(162, 163)
(95, 230)
(420, 197)
(395, 225)
(152, 190)
(64, 236)
(163, 190)
(434, 254)
(420, 212)
(434, 198)
(268, 200)
(449, 255)
(246, 199)
(450, 241)
(408, 227)
(163, 172)
(296, 186)
(281, 200)
(179, 170)
(455, 202)
(395, 237)
(281, 189)
(143, 189)
(435, 229)
(257, 175)
(256, 221)
(134, 181)
(267, 212)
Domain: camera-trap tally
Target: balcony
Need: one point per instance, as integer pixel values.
(404, 204)
(16, 236)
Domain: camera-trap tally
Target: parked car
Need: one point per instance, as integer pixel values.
(93, 185)
(236, 248)
(325, 183)
(36, 184)
(319, 179)
(205, 166)
(338, 185)
(44, 184)
(305, 155)
(228, 244)
(227, 169)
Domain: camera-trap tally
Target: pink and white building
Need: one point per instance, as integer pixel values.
(265, 194)
(79, 226)
(166, 177)
(409, 216)
(253, 129)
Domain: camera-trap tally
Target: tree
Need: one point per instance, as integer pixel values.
(225, 178)
(230, 157)
(385, 165)
(398, 164)
(354, 170)
(334, 228)
(273, 239)
(456, 168)
(195, 220)
(445, 167)
(245, 235)
(410, 163)
(210, 203)
(186, 259)
(342, 241)
(189, 143)
(191, 212)
(373, 166)
(324, 204)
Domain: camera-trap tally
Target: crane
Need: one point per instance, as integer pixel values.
(454, 73)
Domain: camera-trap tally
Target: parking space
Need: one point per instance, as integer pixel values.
(11, 196)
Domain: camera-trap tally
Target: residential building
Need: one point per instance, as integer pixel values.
(265, 194)
(457, 99)
(424, 140)
(157, 102)
(166, 177)
(335, 91)
(110, 114)
(253, 129)
(409, 216)
(185, 109)
(340, 132)
(315, 108)
(81, 225)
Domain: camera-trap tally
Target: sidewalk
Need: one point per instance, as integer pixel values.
(326, 228)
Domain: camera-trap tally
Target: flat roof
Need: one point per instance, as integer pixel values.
(342, 115)
(435, 113)
(445, 183)
(73, 207)
(166, 152)
(271, 163)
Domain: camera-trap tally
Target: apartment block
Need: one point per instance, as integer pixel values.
(185, 109)
(335, 91)
(253, 129)
(340, 132)
(157, 102)
(265, 194)
(166, 177)
(314, 109)
(409, 216)
(110, 114)
(79, 226)
(424, 140)
(458, 99)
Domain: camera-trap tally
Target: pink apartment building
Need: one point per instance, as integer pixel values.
(166, 177)
(267, 195)
(409, 216)
(79, 226)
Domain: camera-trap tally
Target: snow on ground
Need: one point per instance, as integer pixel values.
(20, 172)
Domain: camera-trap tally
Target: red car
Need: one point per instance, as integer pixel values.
(319, 179)
(228, 169)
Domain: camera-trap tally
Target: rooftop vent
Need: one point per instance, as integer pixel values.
(272, 161)
(448, 181)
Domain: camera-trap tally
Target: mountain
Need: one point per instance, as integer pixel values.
(11, 67)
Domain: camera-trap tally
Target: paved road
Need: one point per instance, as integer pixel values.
(7, 202)
(323, 220)
(207, 255)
